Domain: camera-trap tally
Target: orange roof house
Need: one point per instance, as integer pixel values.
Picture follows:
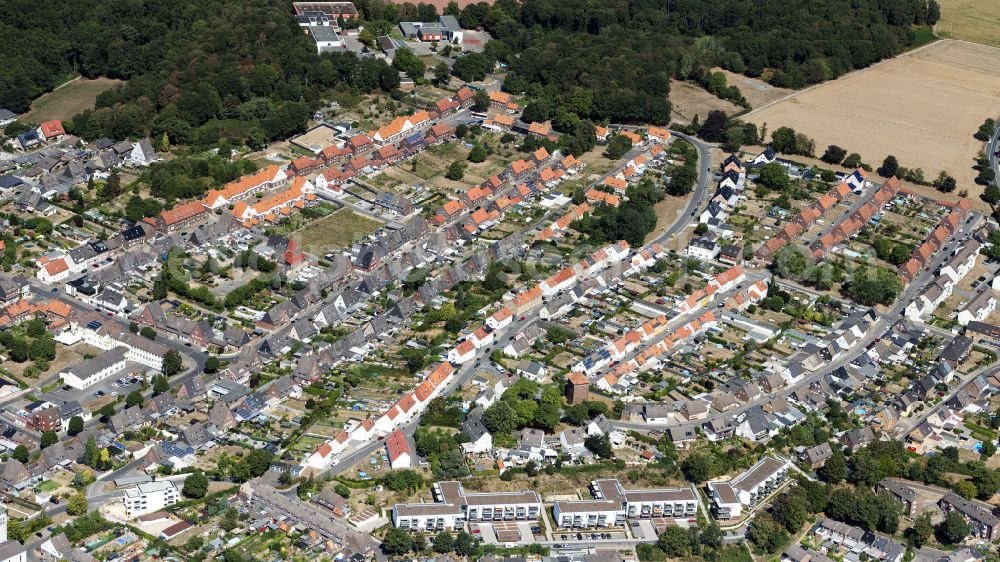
(480, 216)
(453, 207)
(180, 215)
(569, 163)
(500, 98)
(541, 129)
(658, 134)
(465, 96)
(616, 183)
(333, 153)
(51, 129)
(499, 121)
(826, 202)
(445, 106)
(636, 139)
(521, 167)
(55, 267)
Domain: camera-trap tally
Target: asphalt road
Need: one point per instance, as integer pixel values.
(699, 193)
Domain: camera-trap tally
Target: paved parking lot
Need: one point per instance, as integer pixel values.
(506, 532)
(109, 386)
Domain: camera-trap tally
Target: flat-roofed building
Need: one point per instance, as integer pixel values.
(454, 506)
(747, 489)
(613, 505)
(149, 497)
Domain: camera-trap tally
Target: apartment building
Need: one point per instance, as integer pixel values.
(149, 497)
(92, 371)
(613, 505)
(454, 506)
(983, 522)
(729, 498)
(106, 334)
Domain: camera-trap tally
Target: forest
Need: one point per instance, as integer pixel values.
(190, 66)
(187, 64)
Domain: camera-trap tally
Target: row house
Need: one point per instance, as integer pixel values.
(852, 224)
(980, 516)
(273, 208)
(399, 127)
(268, 178)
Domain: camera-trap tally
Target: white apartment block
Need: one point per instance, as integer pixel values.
(454, 506)
(105, 334)
(613, 505)
(961, 263)
(729, 498)
(92, 371)
(149, 497)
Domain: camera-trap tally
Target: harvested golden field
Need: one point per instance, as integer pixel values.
(923, 107)
(69, 99)
(972, 20)
(688, 100)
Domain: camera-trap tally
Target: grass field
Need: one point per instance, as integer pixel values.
(338, 230)
(688, 100)
(923, 107)
(973, 20)
(69, 99)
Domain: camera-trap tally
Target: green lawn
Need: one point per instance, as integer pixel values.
(336, 231)
(48, 486)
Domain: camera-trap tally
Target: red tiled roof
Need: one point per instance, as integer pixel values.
(182, 212)
(397, 445)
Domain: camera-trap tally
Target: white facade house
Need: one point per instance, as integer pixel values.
(13, 551)
(92, 371)
(702, 249)
(930, 298)
(398, 449)
(961, 263)
(978, 308)
(769, 155)
(149, 497)
(54, 271)
(462, 352)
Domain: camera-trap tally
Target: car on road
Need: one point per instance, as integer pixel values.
(54, 290)
(66, 388)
